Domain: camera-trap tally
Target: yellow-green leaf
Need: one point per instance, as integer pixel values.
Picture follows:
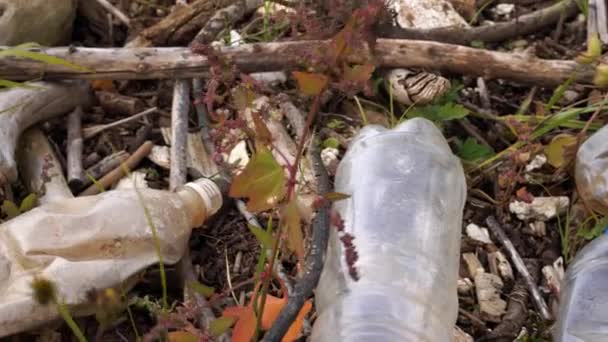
(359, 73)
(559, 149)
(295, 240)
(600, 78)
(182, 336)
(29, 202)
(310, 83)
(10, 209)
(264, 237)
(202, 289)
(21, 51)
(262, 182)
(221, 325)
(335, 196)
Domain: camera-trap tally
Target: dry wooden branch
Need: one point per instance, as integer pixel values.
(92, 131)
(162, 33)
(179, 133)
(520, 266)
(153, 63)
(119, 172)
(526, 24)
(74, 149)
(224, 18)
(115, 12)
(104, 166)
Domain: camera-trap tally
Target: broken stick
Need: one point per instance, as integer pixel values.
(154, 63)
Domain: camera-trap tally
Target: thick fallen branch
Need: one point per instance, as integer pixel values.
(153, 63)
(523, 25)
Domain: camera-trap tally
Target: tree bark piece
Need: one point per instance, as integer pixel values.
(74, 149)
(119, 172)
(179, 133)
(163, 32)
(154, 63)
(104, 166)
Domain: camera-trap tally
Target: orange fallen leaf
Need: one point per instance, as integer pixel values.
(310, 83)
(104, 85)
(245, 326)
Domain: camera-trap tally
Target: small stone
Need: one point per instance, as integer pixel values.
(568, 97)
(465, 285)
(136, 179)
(46, 22)
(503, 11)
(541, 208)
(329, 156)
(478, 234)
(487, 288)
(500, 266)
(461, 336)
(473, 264)
(536, 163)
(538, 228)
(161, 156)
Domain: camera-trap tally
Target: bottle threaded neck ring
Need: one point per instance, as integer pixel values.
(209, 192)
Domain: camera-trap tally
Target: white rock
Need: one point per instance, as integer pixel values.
(46, 22)
(461, 336)
(554, 275)
(538, 228)
(487, 288)
(473, 264)
(136, 179)
(426, 14)
(499, 265)
(503, 11)
(161, 156)
(478, 233)
(465, 285)
(536, 163)
(329, 156)
(541, 208)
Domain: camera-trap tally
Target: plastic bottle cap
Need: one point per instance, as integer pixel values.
(209, 192)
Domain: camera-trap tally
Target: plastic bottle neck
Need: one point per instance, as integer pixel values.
(202, 198)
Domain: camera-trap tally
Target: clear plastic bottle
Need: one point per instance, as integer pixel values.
(407, 193)
(93, 242)
(583, 311)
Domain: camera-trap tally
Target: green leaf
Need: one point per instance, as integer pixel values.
(331, 143)
(29, 202)
(202, 289)
(335, 196)
(21, 51)
(262, 181)
(10, 209)
(472, 151)
(221, 325)
(438, 113)
(264, 237)
(11, 84)
(596, 230)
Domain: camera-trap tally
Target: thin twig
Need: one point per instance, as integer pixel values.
(314, 261)
(90, 132)
(119, 171)
(74, 149)
(224, 18)
(115, 12)
(520, 266)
